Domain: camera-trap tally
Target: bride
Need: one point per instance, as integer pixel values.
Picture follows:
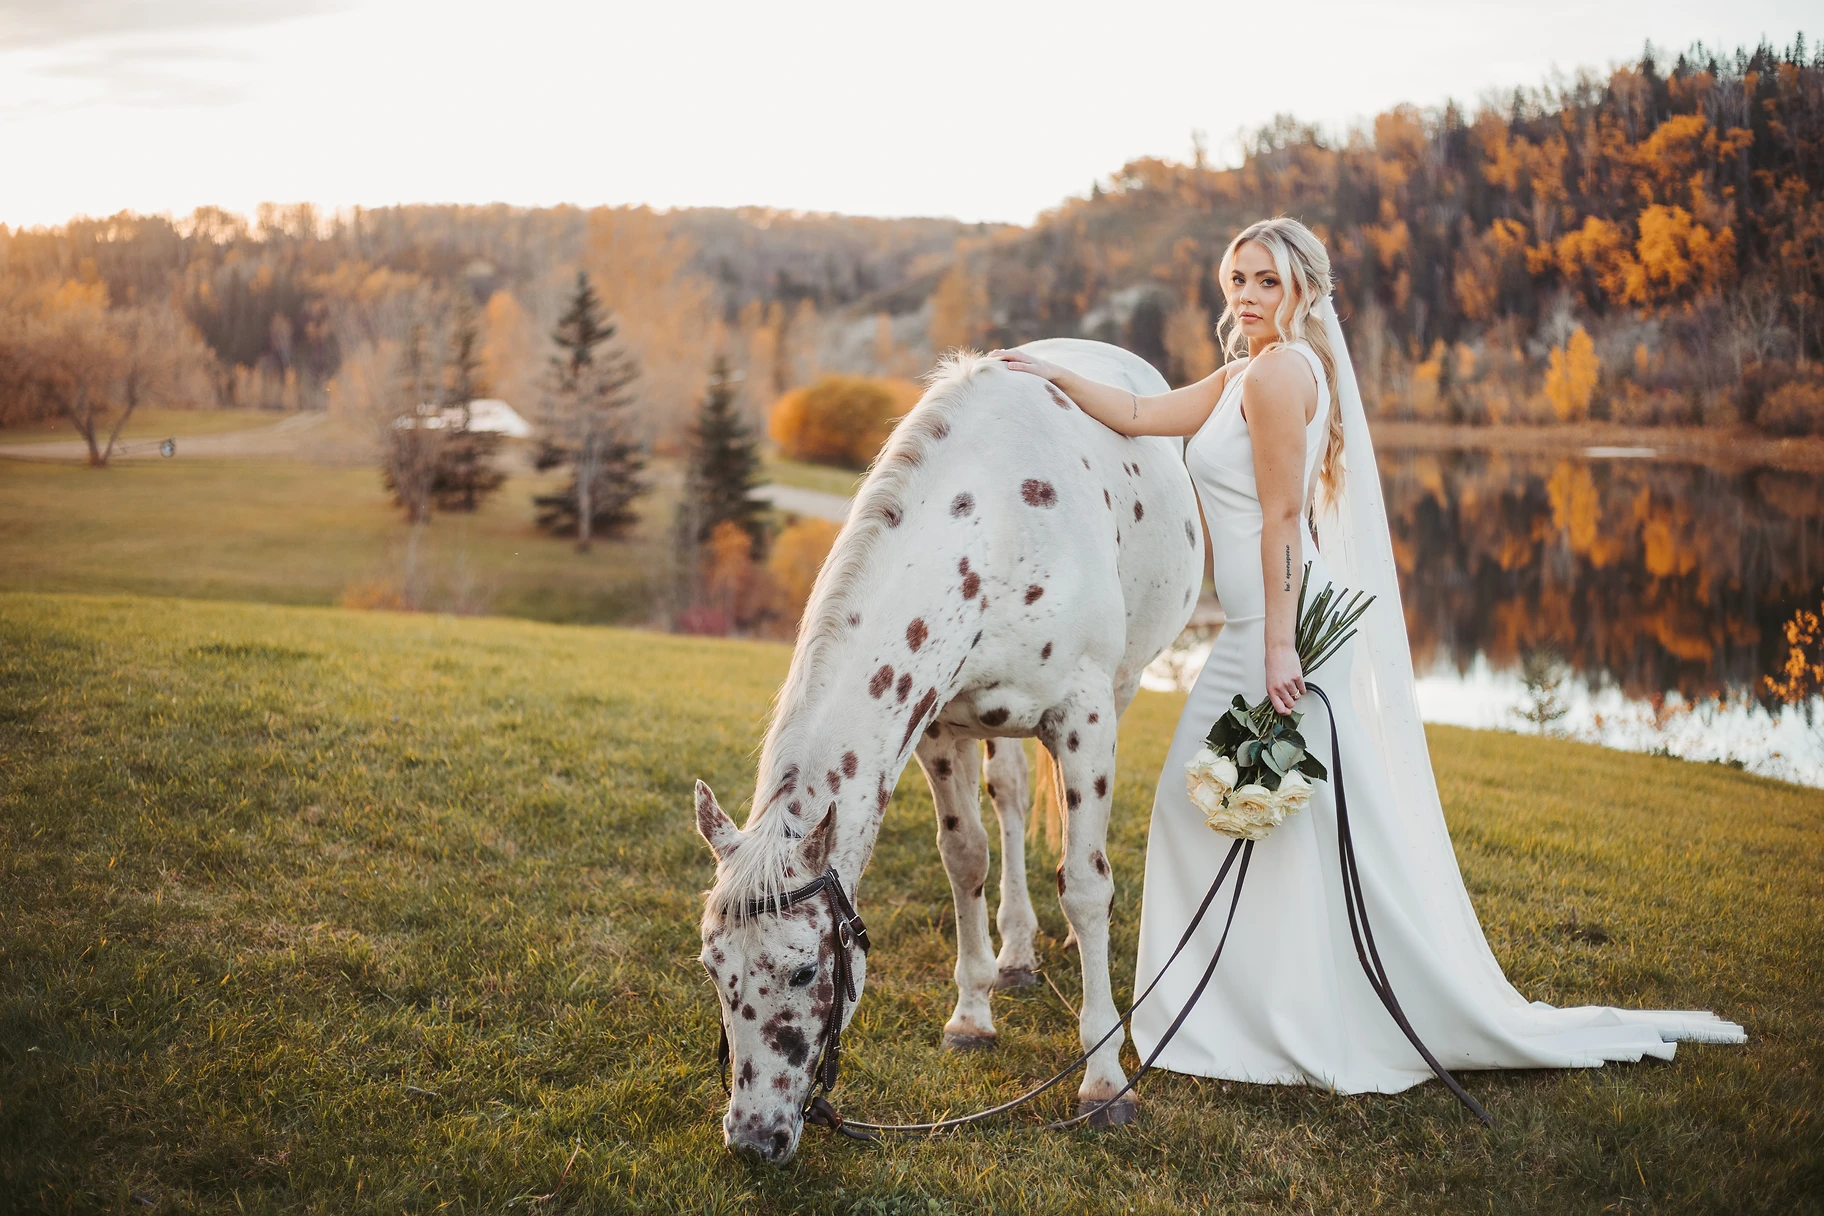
(1278, 441)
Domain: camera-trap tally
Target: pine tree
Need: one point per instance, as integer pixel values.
(587, 395)
(724, 465)
(466, 473)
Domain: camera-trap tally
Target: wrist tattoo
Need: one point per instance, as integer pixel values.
(1288, 567)
(1136, 401)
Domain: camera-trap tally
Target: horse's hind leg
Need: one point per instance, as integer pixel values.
(952, 765)
(1007, 788)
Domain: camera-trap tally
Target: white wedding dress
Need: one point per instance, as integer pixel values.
(1289, 1003)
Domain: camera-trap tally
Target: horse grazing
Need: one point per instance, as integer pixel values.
(1009, 568)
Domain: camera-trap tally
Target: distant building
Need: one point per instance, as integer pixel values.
(485, 414)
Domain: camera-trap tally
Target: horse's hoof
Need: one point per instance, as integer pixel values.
(1119, 1115)
(1016, 977)
(955, 1041)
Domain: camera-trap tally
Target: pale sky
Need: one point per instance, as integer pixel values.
(978, 110)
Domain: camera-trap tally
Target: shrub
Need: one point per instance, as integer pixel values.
(797, 556)
(840, 420)
(1794, 408)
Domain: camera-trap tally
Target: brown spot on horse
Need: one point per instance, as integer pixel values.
(994, 717)
(835, 781)
(1038, 493)
(1034, 592)
(903, 687)
(962, 504)
(949, 823)
(1100, 862)
(941, 767)
(972, 583)
(924, 706)
(916, 633)
(1107, 501)
(1072, 798)
(849, 762)
(1044, 652)
(879, 682)
(1139, 511)
(1102, 786)
(1071, 742)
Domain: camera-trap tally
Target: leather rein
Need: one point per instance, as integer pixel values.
(848, 932)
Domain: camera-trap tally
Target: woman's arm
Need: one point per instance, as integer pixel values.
(1277, 399)
(1179, 412)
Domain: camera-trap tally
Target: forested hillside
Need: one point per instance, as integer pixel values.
(1646, 246)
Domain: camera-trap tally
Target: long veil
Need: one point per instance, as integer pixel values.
(1353, 535)
(1354, 538)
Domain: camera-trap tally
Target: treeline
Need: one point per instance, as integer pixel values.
(292, 300)
(1646, 247)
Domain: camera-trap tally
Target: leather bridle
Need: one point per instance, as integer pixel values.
(846, 932)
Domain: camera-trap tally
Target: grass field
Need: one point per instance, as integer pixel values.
(310, 910)
(807, 476)
(292, 532)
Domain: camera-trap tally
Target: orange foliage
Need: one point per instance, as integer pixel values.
(1679, 257)
(1570, 378)
(796, 558)
(840, 420)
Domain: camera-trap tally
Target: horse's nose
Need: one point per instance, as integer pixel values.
(772, 1141)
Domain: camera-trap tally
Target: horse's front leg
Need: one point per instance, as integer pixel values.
(1081, 734)
(1018, 962)
(952, 765)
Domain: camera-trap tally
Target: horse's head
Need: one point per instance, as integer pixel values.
(778, 970)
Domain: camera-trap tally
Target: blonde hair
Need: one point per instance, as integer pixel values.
(1304, 267)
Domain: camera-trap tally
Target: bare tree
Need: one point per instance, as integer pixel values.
(95, 366)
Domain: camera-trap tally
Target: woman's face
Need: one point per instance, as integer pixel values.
(1255, 290)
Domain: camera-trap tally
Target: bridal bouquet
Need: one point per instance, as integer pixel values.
(1253, 769)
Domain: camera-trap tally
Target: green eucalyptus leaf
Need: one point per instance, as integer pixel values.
(1311, 768)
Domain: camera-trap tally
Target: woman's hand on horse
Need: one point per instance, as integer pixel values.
(1285, 676)
(1020, 361)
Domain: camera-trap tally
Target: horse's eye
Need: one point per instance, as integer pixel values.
(802, 977)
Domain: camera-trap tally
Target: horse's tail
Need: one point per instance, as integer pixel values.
(1047, 802)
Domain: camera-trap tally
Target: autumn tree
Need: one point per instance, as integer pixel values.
(64, 352)
(588, 396)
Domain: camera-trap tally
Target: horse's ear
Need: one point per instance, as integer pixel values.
(715, 825)
(819, 843)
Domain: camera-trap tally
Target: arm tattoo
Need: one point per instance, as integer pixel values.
(1136, 401)
(1288, 567)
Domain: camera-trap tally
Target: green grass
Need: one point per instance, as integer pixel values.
(149, 424)
(807, 476)
(299, 533)
(312, 910)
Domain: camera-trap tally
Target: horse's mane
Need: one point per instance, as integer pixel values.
(756, 869)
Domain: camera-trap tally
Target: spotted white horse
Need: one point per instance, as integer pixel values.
(1009, 568)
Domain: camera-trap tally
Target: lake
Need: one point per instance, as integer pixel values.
(1645, 598)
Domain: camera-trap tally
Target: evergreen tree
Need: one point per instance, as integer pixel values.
(587, 395)
(466, 473)
(724, 465)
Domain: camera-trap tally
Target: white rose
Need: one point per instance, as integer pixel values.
(1249, 814)
(1208, 778)
(1294, 793)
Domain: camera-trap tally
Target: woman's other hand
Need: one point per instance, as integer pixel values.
(1020, 361)
(1285, 677)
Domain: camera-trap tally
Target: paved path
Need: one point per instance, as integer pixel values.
(283, 438)
(814, 503)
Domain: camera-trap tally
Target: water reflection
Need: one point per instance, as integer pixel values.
(1662, 585)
